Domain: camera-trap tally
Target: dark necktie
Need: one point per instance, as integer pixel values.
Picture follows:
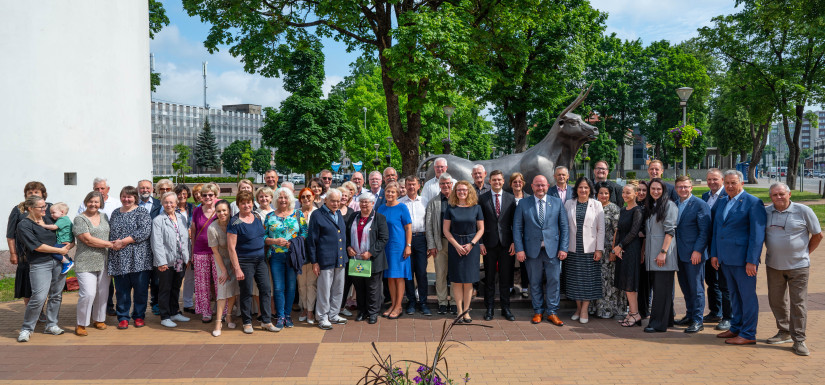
(498, 205)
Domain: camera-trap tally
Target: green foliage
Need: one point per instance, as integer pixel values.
(631, 175)
(154, 81)
(603, 148)
(684, 136)
(181, 164)
(206, 148)
(306, 128)
(237, 157)
(260, 160)
(157, 17)
(201, 179)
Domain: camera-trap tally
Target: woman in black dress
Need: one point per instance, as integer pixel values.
(463, 228)
(628, 249)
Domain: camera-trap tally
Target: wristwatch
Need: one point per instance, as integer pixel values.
(473, 243)
(409, 245)
(663, 251)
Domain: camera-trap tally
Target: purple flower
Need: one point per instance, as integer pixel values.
(422, 368)
(417, 379)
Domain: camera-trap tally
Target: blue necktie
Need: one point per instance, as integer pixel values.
(731, 202)
(541, 213)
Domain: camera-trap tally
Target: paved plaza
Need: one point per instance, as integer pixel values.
(506, 352)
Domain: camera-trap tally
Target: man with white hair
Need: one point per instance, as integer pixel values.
(110, 203)
(375, 180)
(326, 250)
(791, 235)
(479, 174)
(738, 235)
(390, 175)
(431, 189)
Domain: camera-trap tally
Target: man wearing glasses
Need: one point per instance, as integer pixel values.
(600, 173)
(326, 176)
(692, 233)
(792, 234)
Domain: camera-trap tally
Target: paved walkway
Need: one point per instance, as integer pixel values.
(504, 352)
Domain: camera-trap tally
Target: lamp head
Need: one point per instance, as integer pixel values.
(684, 93)
(448, 110)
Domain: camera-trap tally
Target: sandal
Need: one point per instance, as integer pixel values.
(631, 321)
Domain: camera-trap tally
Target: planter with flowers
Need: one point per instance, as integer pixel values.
(684, 136)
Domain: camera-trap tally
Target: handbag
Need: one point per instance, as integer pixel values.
(360, 268)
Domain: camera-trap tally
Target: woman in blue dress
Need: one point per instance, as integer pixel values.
(398, 248)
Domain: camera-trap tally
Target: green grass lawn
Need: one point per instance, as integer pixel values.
(762, 193)
(7, 287)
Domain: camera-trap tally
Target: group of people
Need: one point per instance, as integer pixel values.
(613, 249)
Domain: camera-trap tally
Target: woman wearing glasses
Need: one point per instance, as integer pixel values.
(17, 256)
(44, 270)
(206, 274)
(307, 280)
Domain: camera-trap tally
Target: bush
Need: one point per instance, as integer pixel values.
(201, 179)
(631, 175)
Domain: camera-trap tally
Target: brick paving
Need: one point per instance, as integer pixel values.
(505, 352)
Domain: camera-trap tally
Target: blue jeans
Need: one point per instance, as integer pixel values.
(284, 282)
(544, 301)
(124, 285)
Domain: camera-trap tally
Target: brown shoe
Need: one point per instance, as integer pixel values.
(554, 319)
(80, 330)
(99, 325)
(739, 341)
(536, 319)
(727, 334)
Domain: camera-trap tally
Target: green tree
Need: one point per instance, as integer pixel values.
(534, 51)
(603, 148)
(308, 126)
(206, 148)
(181, 164)
(157, 20)
(237, 157)
(783, 44)
(260, 160)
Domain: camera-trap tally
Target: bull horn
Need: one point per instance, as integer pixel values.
(576, 103)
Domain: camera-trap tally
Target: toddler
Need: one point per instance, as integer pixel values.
(63, 228)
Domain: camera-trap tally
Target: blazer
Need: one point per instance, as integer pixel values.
(554, 192)
(379, 236)
(528, 235)
(164, 240)
(693, 229)
(379, 198)
(157, 208)
(432, 223)
(593, 228)
(326, 239)
(719, 200)
(655, 238)
(738, 239)
(498, 230)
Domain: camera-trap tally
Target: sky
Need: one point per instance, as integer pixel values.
(178, 50)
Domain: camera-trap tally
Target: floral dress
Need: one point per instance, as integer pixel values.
(293, 225)
(613, 302)
(137, 256)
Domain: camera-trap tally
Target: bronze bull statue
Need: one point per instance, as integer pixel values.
(558, 148)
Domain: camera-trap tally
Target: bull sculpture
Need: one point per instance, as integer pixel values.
(558, 148)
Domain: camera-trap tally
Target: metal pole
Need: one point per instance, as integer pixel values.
(684, 149)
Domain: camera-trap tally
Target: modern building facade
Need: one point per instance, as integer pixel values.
(178, 123)
(809, 138)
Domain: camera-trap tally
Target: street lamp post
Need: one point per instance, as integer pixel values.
(365, 127)
(377, 161)
(684, 94)
(468, 154)
(493, 154)
(389, 151)
(448, 110)
(586, 165)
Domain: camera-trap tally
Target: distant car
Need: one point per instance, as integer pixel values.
(337, 178)
(297, 179)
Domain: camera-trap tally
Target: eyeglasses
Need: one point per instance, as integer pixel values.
(306, 196)
(326, 178)
(208, 195)
(40, 207)
(164, 189)
(601, 168)
(683, 187)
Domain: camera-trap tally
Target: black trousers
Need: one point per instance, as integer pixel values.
(110, 304)
(661, 312)
(168, 291)
(643, 295)
(718, 296)
(498, 262)
(255, 268)
(418, 260)
(154, 288)
(347, 284)
(369, 293)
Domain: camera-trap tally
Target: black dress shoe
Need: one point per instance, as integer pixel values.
(507, 315)
(711, 319)
(454, 309)
(488, 316)
(653, 330)
(723, 325)
(695, 327)
(360, 317)
(683, 322)
(189, 310)
(442, 309)
(373, 319)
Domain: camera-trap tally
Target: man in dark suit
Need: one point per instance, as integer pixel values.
(561, 190)
(145, 191)
(375, 180)
(497, 247)
(655, 170)
(540, 237)
(738, 234)
(600, 174)
(326, 250)
(692, 232)
(718, 295)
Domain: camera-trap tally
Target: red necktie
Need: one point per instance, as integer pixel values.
(498, 205)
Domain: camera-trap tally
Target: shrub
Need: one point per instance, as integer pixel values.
(630, 175)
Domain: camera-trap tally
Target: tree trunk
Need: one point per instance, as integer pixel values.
(407, 147)
(519, 123)
(793, 143)
(759, 137)
(620, 168)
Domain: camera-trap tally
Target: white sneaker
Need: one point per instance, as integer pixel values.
(24, 336)
(345, 312)
(179, 318)
(54, 329)
(324, 324)
(302, 318)
(216, 333)
(168, 323)
(338, 320)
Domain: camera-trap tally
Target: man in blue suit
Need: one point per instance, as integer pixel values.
(540, 236)
(561, 190)
(718, 296)
(692, 232)
(326, 249)
(738, 234)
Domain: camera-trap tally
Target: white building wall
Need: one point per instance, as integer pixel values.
(75, 97)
